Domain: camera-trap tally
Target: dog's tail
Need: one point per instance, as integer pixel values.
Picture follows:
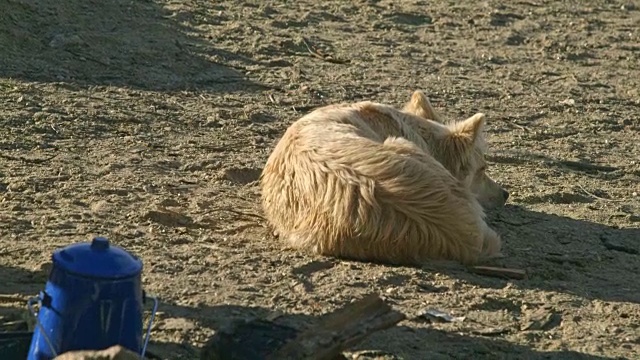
(353, 197)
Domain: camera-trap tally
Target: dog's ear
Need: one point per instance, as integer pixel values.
(473, 127)
(468, 132)
(420, 105)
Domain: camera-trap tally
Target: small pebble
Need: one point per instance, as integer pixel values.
(390, 290)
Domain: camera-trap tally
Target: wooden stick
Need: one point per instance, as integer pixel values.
(499, 272)
(340, 330)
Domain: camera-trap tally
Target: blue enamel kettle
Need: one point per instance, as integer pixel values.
(92, 300)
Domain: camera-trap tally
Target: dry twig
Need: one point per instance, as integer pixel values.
(316, 53)
(596, 196)
(27, 160)
(499, 272)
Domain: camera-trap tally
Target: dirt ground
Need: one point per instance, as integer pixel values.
(149, 122)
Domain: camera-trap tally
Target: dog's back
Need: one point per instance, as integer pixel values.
(374, 121)
(358, 181)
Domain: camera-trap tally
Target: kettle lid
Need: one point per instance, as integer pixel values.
(98, 259)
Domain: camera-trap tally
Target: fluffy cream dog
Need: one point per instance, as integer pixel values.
(370, 182)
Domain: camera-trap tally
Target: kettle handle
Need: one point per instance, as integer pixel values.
(153, 315)
(38, 300)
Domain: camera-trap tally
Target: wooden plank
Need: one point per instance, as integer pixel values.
(499, 272)
(340, 330)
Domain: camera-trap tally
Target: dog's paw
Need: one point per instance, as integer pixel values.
(492, 244)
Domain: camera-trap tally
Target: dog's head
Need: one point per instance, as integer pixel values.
(467, 147)
(461, 149)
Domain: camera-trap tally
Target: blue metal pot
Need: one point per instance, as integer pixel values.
(92, 300)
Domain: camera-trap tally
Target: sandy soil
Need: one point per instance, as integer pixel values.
(149, 121)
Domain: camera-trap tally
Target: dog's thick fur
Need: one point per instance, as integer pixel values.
(369, 182)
